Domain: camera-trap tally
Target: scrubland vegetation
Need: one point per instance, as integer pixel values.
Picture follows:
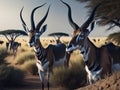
(71, 78)
(9, 75)
(13, 70)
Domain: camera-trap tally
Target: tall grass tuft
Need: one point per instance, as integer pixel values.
(25, 56)
(71, 78)
(10, 76)
(30, 67)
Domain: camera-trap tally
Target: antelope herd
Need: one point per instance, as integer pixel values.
(99, 62)
(12, 45)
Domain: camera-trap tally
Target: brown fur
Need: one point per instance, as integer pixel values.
(50, 54)
(103, 57)
(105, 60)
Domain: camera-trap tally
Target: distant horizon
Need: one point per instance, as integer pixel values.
(56, 21)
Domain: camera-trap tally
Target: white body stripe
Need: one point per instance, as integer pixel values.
(57, 63)
(42, 67)
(93, 75)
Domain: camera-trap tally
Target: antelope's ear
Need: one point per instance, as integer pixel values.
(42, 30)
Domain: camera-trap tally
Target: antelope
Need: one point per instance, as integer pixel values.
(97, 60)
(14, 47)
(46, 58)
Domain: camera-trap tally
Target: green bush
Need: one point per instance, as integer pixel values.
(10, 76)
(30, 67)
(70, 78)
(25, 56)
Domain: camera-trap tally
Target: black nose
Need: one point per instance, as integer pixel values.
(69, 46)
(29, 44)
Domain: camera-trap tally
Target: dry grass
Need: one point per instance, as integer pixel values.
(29, 67)
(25, 56)
(70, 78)
(74, 75)
(10, 76)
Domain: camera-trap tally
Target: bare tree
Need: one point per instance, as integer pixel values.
(107, 14)
(11, 36)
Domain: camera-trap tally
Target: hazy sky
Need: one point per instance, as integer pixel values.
(57, 19)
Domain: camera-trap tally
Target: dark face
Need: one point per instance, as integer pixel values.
(77, 42)
(33, 37)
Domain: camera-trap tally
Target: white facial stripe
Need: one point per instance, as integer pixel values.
(73, 48)
(69, 49)
(79, 37)
(33, 41)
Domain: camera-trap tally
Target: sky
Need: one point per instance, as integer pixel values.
(57, 20)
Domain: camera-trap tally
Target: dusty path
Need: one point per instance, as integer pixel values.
(31, 83)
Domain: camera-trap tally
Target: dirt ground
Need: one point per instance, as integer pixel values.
(109, 83)
(30, 83)
(33, 83)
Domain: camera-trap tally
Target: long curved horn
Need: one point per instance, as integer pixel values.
(90, 19)
(23, 22)
(72, 23)
(32, 17)
(42, 21)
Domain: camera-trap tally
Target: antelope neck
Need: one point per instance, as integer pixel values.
(38, 47)
(95, 65)
(40, 52)
(85, 47)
